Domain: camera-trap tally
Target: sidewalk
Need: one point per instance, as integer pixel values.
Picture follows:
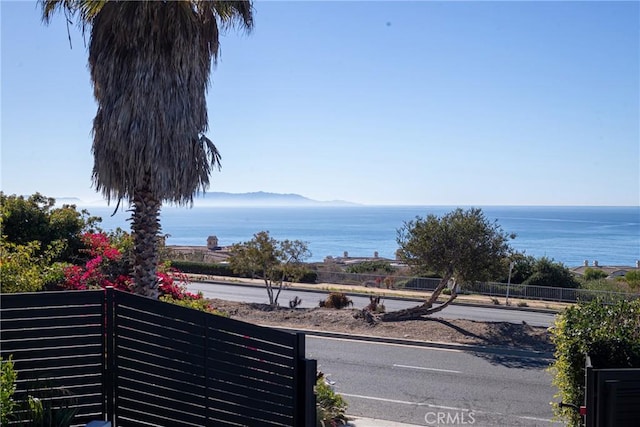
(371, 422)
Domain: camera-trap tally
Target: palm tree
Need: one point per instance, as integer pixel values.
(150, 63)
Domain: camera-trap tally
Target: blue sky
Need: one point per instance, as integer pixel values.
(423, 103)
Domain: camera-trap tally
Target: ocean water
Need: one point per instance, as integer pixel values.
(571, 235)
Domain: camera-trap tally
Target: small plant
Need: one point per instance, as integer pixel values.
(522, 304)
(495, 301)
(337, 300)
(48, 407)
(295, 302)
(7, 389)
(330, 406)
(374, 305)
(446, 291)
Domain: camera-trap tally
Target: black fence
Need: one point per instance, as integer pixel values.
(612, 396)
(139, 362)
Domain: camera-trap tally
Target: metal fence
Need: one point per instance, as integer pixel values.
(545, 293)
(136, 361)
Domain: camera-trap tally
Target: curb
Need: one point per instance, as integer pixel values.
(427, 344)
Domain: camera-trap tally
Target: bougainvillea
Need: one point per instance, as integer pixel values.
(104, 268)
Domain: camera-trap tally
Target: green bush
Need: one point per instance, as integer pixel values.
(330, 406)
(201, 304)
(633, 279)
(7, 389)
(193, 267)
(593, 274)
(610, 334)
(547, 272)
(370, 267)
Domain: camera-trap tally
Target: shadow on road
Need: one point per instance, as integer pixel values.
(510, 345)
(514, 361)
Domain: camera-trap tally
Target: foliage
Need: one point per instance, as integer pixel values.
(7, 389)
(36, 219)
(593, 274)
(145, 158)
(271, 260)
(633, 279)
(101, 269)
(610, 334)
(337, 300)
(47, 406)
(330, 406)
(370, 267)
(27, 268)
(193, 267)
(547, 272)
(461, 246)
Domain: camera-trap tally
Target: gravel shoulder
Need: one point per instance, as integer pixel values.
(495, 334)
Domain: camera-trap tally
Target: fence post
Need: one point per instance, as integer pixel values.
(109, 355)
(305, 381)
(311, 370)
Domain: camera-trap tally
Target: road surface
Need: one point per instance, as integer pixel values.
(310, 299)
(417, 385)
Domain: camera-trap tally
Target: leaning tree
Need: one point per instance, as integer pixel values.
(150, 63)
(461, 247)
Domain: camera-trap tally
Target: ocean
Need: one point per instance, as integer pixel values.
(571, 235)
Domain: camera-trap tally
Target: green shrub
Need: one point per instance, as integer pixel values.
(22, 269)
(330, 406)
(633, 279)
(193, 267)
(337, 300)
(610, 334)
(7, 389)
(593, 274)
(370, 267)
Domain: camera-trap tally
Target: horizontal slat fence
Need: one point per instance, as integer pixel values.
(180, 366)
(143, 362)
(56, 340)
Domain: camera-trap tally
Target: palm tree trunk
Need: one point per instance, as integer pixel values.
(145, 225)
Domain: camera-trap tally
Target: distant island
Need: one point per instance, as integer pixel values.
(259, 198)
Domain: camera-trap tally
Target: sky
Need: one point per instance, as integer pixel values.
(373, 102)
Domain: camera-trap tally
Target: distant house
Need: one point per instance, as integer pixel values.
(212, 243)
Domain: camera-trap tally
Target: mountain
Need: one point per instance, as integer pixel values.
(262, 198)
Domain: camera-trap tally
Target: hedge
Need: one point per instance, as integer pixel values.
(608, 333)
(194, 267)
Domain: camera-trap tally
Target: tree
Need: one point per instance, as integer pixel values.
(36, 219)
(150, 63)
(461, 246)
(271, 260)
(547, 272)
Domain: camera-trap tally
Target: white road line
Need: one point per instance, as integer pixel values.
(427, 369)
(404, 402)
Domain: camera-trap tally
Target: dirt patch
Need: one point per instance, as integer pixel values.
(521, 336)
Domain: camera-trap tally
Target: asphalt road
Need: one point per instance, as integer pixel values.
(311, 299)
(417, 385)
